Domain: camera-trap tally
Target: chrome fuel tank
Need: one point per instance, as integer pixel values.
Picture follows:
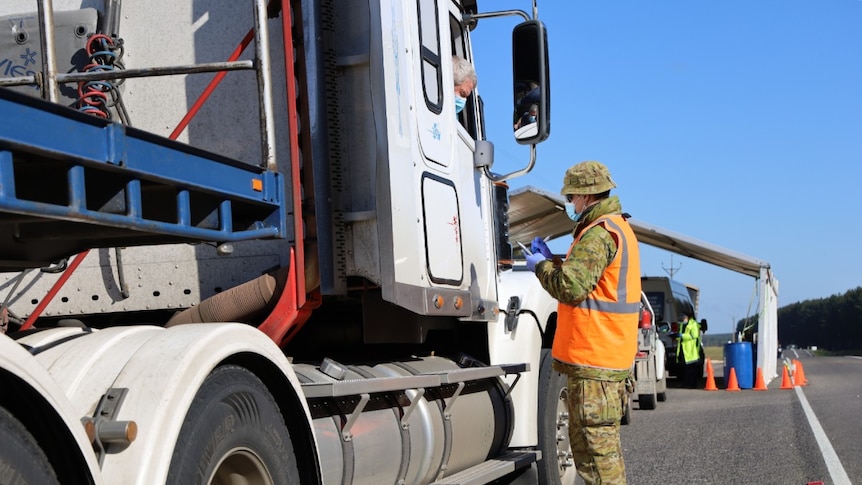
(405, 422)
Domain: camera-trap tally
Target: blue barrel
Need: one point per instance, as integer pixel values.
(738, 356)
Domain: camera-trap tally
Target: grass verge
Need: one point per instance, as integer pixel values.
(714, 353)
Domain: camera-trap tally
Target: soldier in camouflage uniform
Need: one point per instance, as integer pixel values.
(598, 289)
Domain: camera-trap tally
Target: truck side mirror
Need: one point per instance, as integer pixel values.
(532, 83)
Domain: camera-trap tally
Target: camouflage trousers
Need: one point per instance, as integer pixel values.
(595, 410)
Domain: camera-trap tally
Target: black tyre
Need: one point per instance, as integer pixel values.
(233, 433)
(21, 459)
(556, 466)
(627, 411)
(661, 389)
(646, 401)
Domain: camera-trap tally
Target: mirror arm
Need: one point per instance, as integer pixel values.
(502, 178)
(467, 18)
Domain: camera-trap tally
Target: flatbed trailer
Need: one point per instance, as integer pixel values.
(97, 183)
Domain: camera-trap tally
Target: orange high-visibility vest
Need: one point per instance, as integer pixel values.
(601, 331)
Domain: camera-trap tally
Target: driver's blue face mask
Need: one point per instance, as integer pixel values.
(459, 104)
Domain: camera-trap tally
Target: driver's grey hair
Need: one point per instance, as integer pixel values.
(462, 70)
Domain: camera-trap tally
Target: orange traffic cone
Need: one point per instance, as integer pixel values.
(785, 380)
(759, 383)
(799, 378)
(710, 377)
(732, 385)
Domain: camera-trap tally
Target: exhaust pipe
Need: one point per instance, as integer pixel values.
(243, 303)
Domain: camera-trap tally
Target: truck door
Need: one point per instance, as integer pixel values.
(436, 127)
(434, 185)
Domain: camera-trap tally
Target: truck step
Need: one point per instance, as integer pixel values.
(464, 374)
(353, 387)
(71, 181)
(350, 387)
(492, 469)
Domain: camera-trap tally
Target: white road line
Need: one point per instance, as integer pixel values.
(836, 470)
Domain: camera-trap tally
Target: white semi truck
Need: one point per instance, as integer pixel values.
(249, 242)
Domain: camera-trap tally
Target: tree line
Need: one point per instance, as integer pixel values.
(833, 323)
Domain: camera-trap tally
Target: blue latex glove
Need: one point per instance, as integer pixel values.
(533, 260)
(538, 246)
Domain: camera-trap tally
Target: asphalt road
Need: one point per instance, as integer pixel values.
(754, 437)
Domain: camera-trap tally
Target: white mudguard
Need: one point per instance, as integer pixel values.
(162, 370)
(15, 360)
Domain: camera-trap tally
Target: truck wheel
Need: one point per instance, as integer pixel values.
(661, 389)
(556, 466)
(21, 459)
(627, 411)
(233, 434)
(646, 401)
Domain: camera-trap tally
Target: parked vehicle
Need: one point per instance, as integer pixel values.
(669, 300)
(649, 370)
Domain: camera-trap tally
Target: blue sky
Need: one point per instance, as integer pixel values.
(738, 123)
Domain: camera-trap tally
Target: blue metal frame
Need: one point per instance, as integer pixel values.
(33, 129)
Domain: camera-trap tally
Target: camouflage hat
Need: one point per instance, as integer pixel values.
(586, 178)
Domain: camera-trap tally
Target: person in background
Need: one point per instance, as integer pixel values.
(528, 117)
(526, 103)
(688, 350)
(465, 81)
(598, 288)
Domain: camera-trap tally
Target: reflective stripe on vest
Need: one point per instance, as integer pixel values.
(601, 331)
(622, 305)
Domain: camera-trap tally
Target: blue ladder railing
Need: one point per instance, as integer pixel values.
(81, 182)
